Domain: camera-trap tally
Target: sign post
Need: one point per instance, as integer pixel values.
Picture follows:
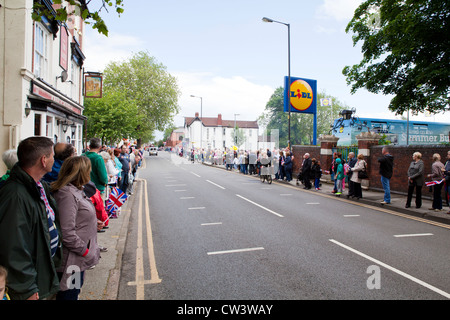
(300, 95)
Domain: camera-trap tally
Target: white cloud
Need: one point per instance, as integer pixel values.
(220, 95)
(340, 10)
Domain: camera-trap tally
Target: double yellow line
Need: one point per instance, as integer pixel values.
(140, 281)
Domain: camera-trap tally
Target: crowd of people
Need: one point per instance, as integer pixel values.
(52, 208)
(352, 171)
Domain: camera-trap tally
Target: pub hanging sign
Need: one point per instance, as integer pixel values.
(93, 85)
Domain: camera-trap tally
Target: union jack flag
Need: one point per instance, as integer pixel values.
(116, 199)
(433, 183)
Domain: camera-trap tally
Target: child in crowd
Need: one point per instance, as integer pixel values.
(316, 173)
(3, 289)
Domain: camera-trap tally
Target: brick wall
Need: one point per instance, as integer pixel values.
(299, 151)
(402, 159)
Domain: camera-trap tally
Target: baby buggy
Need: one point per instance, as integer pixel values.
(266, 170)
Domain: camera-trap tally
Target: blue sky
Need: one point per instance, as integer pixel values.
(223, 52)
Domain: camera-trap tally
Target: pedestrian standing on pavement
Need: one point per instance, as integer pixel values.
(316, 173)
(415, 180)
(9, 158)
(306, 171)
(124, 159)
(29, 238)
(62, 152)
(281, 159)
(447, 178)
(339, 176)
(359, 166)
(437, 174)
(78, 221)
(351, 163)
(288, 166)
(386, 170)
(99, 175)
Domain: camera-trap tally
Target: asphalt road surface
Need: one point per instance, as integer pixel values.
(202, 233)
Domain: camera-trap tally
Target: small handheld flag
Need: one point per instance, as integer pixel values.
(433, 183)
(116, 199)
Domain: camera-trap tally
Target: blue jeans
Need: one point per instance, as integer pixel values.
(387, 189)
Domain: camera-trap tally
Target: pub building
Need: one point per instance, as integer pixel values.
(41, 75)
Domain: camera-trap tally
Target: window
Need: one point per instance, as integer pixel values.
(49, 127)
(37, 124)
(40, 51)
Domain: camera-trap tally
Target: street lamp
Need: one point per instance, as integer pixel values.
(201, 120)
(265, 19)
(235, 133)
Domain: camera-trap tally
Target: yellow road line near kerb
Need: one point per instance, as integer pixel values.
(140, 272)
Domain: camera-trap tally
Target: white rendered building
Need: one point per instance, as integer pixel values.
(216, 133)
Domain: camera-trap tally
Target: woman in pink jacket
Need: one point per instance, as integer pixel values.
(78, 226)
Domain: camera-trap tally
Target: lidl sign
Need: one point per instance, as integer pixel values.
(301, 94)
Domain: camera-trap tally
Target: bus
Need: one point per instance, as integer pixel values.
(395, 131)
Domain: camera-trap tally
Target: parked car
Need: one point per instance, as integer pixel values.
(152, 151)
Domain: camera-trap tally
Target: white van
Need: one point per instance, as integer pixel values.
(152, 151)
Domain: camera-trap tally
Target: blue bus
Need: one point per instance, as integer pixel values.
(420, 133)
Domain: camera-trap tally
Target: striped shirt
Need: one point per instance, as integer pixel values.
(51, 220)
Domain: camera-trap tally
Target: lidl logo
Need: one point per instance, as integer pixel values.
(302, 95)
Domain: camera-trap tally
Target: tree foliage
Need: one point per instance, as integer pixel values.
(112, 117)
(147, 92)
(406, 52)
(302, 125)
(89, 10)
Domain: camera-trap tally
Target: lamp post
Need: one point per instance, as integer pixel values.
(265, 19)
(235, 135)
(201, 120)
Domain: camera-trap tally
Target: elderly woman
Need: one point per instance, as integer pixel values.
(415, 180)
(9, 158)
(78, 222)
(437, 175)
(359, 166)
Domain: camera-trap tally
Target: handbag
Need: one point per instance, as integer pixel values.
(363, 173)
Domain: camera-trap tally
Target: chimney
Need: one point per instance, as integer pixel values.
(219, 120)
(196, 114)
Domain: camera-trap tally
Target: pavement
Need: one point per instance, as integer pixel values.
(102, 282)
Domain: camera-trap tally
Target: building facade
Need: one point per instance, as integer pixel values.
(216, 133)
(41, 75)
(175, 139)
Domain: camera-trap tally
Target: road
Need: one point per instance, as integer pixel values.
(202, 233)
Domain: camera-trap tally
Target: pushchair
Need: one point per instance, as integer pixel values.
(266, 170)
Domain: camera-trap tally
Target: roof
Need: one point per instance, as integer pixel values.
(215, 122)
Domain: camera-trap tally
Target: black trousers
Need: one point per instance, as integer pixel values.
(437, 196)
(418, 194)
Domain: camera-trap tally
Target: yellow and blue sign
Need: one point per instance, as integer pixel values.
(302, 95)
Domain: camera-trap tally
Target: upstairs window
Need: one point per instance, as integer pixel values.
(40, 51)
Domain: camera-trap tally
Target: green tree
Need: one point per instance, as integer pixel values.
(62, 11)
(405, 46)
(302, 125)
(148, 84)
(112, 117)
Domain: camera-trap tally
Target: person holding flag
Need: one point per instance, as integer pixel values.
(116, 199)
